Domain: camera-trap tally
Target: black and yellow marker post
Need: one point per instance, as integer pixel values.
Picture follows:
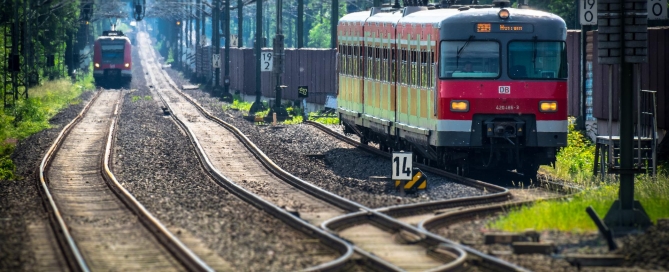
(417, 182)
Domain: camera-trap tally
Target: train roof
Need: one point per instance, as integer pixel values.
(516, 15)
(355, 17)
(112, 35)
(451, 15)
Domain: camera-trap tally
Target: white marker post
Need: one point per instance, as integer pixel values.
(266, 61)
(588, 12)
(402, 165)
(657, 9)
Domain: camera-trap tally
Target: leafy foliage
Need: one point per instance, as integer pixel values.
(32, 115)
(575, 161)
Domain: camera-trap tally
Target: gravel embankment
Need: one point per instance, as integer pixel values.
(158, 165)
(23, 221)
(649, 251)
(324, 161)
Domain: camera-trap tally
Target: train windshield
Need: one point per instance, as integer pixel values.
(112, 51)
(537, 60)
(469, 59)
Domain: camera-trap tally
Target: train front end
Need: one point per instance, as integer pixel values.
(502, 88)
(112, 61)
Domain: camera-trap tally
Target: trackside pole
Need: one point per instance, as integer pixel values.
(624, 44)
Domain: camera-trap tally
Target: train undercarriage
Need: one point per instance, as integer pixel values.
(500, 150)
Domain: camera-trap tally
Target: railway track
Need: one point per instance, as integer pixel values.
(450, 256)
(99, 225)
(228, 162)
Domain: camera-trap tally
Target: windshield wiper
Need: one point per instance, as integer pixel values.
(534, 48)
(457, 57)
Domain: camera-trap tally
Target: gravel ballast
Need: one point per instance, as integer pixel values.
(647, 251)
(156, 162)
(318, 158)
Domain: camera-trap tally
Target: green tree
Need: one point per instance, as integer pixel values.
(566, 10)
(319, 33)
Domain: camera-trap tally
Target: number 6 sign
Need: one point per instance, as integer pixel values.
(402, 165)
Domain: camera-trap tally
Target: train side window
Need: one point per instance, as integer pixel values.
(410, 68)
(393, 66)
(368, 62)
(424, 73)
(432, 71)
(376, 63)
(383, 69)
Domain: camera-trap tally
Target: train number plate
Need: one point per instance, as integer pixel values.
(112, 66)
(507, 107)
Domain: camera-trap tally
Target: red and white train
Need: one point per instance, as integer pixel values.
(463, 88)
(112, 58)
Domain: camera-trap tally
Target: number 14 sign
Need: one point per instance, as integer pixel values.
(402, 165)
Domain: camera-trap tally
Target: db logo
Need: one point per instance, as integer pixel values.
(505, 89)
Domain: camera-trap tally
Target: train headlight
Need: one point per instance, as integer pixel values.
(548, 106)
(127, 65)
(503, 14)
(97, 65)
(460, 105)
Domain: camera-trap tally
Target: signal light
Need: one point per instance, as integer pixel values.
(178, 22)
(548, 106)
(460, 106)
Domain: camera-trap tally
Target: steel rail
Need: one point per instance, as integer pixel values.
(428, 239)
(374, 261)
(334, 242)
(182, 253)
(67, 244)
(383, 219)
(449, 218)
(380, 218)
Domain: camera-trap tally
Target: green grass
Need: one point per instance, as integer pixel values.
(323, 120)
(574, 163)
(570, 215)
(294, 112)
(136, 98)
(32, 115)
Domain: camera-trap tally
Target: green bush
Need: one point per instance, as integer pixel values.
(575, 161)
(6, 164)
(32, 115)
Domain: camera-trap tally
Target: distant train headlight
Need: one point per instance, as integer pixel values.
(548, 106)
(460, 105)
(127, 65)
(97, 65)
